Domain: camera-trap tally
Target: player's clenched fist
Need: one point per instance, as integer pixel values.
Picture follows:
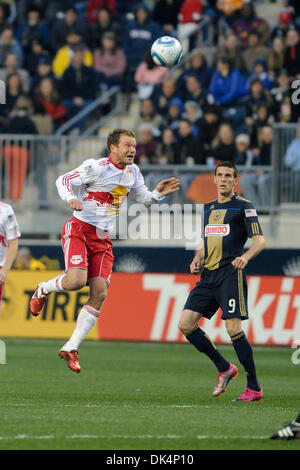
(75, 204)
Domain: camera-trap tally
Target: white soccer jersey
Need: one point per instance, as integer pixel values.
(103, 186)
(9, 229)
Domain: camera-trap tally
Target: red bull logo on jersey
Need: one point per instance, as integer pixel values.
(219, 230)
(112, 199)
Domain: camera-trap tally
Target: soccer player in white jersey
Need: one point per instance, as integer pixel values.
(102, 185)
(9, 235)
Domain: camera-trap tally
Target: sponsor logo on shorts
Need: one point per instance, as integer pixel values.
(76, 259)
(219, 230)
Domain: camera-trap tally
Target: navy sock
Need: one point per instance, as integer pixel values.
(203, 343)
(244, 352)
(298, 419)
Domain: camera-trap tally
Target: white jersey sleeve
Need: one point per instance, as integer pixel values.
(11, 226)
(85, 174)
(140, 191)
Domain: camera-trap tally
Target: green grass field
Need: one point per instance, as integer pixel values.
(139, 396)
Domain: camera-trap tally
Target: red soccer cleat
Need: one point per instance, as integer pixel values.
(250, 395)
(224, 378)
(38, 300)
(72, 359)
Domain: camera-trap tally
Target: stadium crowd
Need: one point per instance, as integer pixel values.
(57, 57)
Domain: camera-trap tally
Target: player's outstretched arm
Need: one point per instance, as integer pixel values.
(258, 244)
(168, 186)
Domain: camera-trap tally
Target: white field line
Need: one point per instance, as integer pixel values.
(117, 436)
(103, 405)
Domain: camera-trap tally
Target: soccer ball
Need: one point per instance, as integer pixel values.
(166, 51)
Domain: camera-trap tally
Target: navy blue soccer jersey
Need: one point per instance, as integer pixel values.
(227, 226)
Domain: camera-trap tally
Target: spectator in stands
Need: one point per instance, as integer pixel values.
(44, 70)
(190, 148)
(110, 61)
(146, 145)
(281, 29)
(189, 18)
(42, 120)
(230, 10)
(223, 146)
(193, 91)
(276, 57)
(79, 85)
(149, 115)
(227, 87)
(13, 92)
(293, 7)
(103, 25)
(257, 95)
(93, 7)
(20, 121)
(243, 155)
(11, 67)
(139, 35)
(281, 94)
(64, 55)
(189, 152)
(231, 48)
(26, 261)
(174, 114)
(291, 60)
(260, 71)
(166, 148)
(48, 95)
(165, 13)
(9, 45)
(254, 51)
(33, 57)
(249, 21)
(193, 113)
(163, 93)
(256, 184)
(33, 27)
(264, 118)
(4, 14)
(147, 75)
(61, 28)
(208, 127)
(197, 65)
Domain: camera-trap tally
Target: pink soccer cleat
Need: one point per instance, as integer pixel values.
(250, 395)
(224, 378)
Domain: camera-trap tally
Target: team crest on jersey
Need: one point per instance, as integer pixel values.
(217, 216)
(88, 169)
(218, 230)
(76, 259)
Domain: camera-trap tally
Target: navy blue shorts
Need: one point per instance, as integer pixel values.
(224, 287)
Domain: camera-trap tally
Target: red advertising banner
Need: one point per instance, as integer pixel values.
(147, 307)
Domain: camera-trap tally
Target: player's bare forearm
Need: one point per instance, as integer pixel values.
(258, 244)
(198, 260)
(9, 259)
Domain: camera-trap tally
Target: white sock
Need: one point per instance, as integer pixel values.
(85, 322)
(54, 285)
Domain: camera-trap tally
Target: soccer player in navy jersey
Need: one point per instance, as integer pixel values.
(228, 222)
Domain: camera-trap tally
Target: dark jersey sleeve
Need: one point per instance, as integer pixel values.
(251, 220)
